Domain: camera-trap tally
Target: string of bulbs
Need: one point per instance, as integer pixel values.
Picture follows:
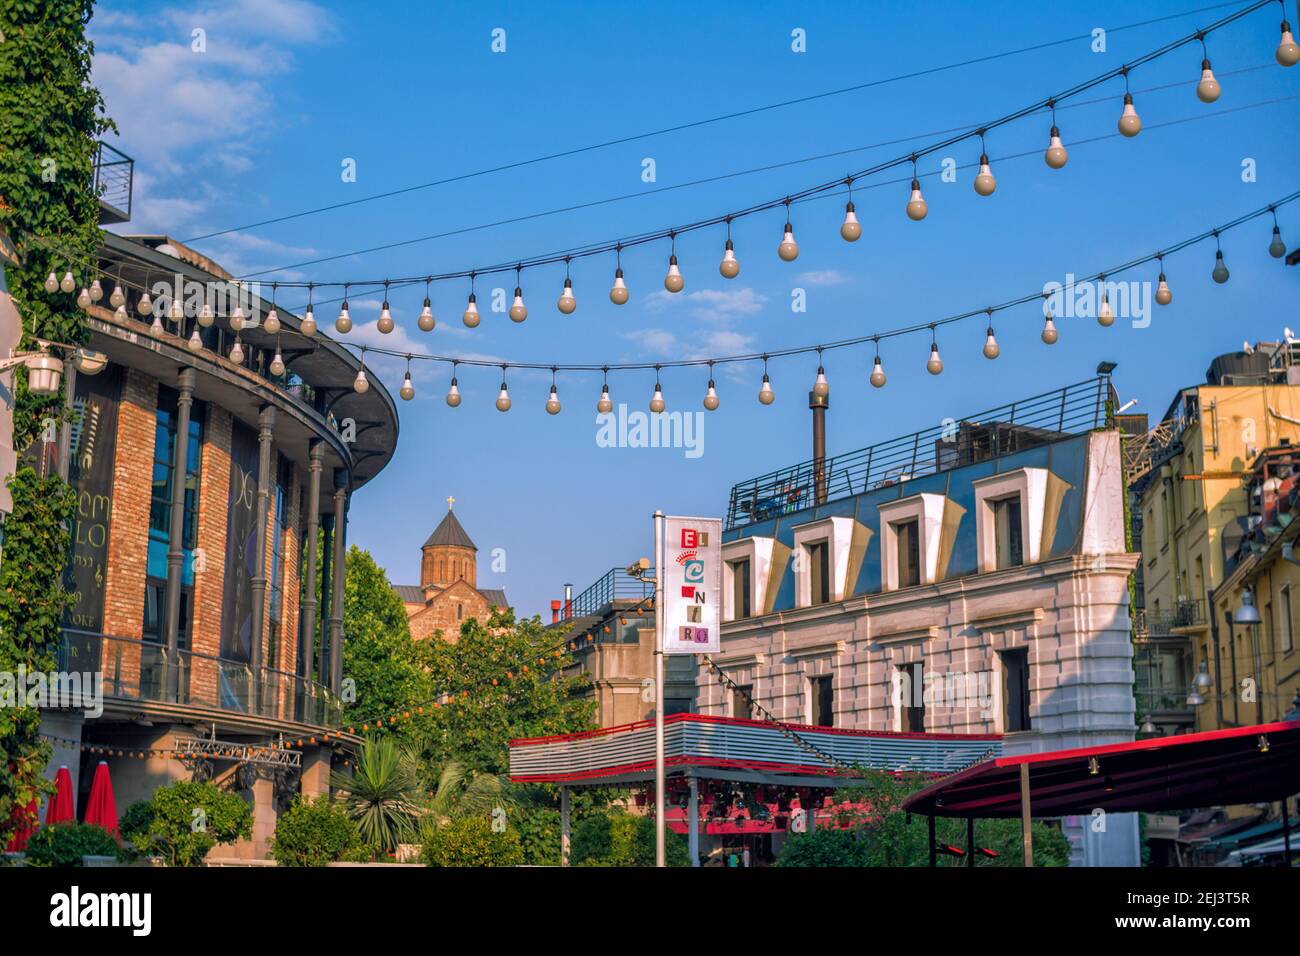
(1056, 156)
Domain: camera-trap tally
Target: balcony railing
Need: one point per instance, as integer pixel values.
(1149, 622)
(1027, 423)
(614, 585)
(141, 670)
(114, 183)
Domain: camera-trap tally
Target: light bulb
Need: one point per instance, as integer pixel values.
(177, 311)
(985, 182)
(991, 348)
(1105, 314)
(119, 313)
(308, 324)
(195, 343)
(96, 291)
(426, 322)
(272, 323)
(237, 318)
(277, 364)
(1130, 124)
(407, 391)
(657, 403)
(604, 405)
(553, 403)
(934, 365)
(206, 317)
(67, 283)
(916, 206)
(1056, 155)
(877, 374)
(850, 229)
(765, 393)
(711, 400)
(83, 299)
(144, 305)
(385, 324)
(471, 316)
(730, 265)
(518, 311)
(1220, 273)
(343, 323)
(673, 281)
(567, 303)
(618, 293)
(1276, 248)
(1208, 89)
(1288, 53)
(361, 384)
(821, 388)
(1050, 335)
(116, 297)
(503, 400)
(453, 393)
(156, 328)
(237, 352)
(52, 282)
(788, 250)
(1164, 295)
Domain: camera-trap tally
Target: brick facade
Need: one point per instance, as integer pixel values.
(446, 610)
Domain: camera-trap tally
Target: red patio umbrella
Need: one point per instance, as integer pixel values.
(62, 806)
(24, 819)
(101, 808)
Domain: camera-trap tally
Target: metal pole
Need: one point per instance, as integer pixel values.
(693, 822)
(257, 582)
(660, 855)
(564, 826)
(1026, 821)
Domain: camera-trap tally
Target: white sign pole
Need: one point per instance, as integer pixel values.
(660, 855)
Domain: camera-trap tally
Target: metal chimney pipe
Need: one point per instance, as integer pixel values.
(819, 405)
(568, 601)
(555, 612)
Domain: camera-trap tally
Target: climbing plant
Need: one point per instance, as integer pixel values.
(50, 119)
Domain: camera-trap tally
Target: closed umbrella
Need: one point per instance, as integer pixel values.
(101, 808)
(62, 807)
(24, 819)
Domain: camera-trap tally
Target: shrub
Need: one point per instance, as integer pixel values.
(315, 833)
(64, 844)
(182, 822)
(618, 838)
(471, 841)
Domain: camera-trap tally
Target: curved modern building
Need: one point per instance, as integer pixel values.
(206, 490)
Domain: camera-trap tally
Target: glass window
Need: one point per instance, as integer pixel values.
(913, 698)
(819, 581)
(1007, 529)
(740, 595)
(275, 585)
(823, 701)
(1015, 689)
(909, 553)
(740, 706)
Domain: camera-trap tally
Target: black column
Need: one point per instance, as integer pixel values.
(307, 573)
(265, 428)
(176, 527)
(341, 479)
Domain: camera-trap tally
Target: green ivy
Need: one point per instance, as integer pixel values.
(50, 119)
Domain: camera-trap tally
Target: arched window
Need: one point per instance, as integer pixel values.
(460, 611)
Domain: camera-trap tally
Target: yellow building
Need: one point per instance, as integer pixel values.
(1191, 478)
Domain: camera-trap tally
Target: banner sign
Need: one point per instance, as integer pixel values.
(691, 569)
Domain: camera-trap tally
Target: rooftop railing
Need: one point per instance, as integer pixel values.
(143, 670)
(1027, 423)
(614, 585)
(114, 183)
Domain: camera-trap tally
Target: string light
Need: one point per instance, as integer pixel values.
(1276, 248)
(765, 394)
(605, 404)
(195, 343)
(1105, 314)
(657, 403)
(618, 292)
(1207, 90)
(518, 311)
(1220, 271)
(503, 399)
(67, 283)
(991, 348)
(916, 205)
(985, 182)
(1049, 334)
(821, 387)
(307, 327)
(177, 312)
(407, 391)
(851, 229)
(877, 377)
(788, 250)
(553, 402)
(453, 393)
(426, 322)
(385, 322)
(83, 299)
(934, 364)
(471, 316)
(361, 384)
(567, 303)
(116, 298)
(156, 329)
(96, 291)
(1164, 295)
(1130, 124)
(673, 281)
(144, 305)
(344, 322)
(729, 267)
(52, 282)
(1056, 155)
(237, 352)
(277, 363)
(711, 400)
(1288, 53)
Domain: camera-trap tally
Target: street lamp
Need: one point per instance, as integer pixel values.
(1247, 613)
(1203, 682)
(45, 370)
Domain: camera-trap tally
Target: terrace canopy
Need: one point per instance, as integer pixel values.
(1255, 764)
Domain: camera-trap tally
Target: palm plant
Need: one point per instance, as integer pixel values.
(462, 792)
(382, 795)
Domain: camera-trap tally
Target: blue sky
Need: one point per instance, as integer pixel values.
(259, 125)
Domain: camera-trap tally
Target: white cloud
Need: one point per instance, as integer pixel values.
(710, 304)
(823, 277)
(701, 345)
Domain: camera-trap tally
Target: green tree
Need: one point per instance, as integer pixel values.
(64, 844)
(388, 667)
(313, 833)
(50, 117)
(617, 838)
(382, 795)
(471, 841)
(185, 820)
(507, 679)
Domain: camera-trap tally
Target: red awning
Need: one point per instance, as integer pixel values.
(1219, 767)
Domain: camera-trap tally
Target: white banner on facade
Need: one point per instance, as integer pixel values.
(690, 567)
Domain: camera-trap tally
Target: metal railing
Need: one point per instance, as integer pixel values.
(114, 182)
(141, 670)
(1023, 424)
(1149, 622)
(614, 585)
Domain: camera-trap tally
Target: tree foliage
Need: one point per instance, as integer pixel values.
(382, 795)
(50, 116)
(471, 841)
(618, 838)
(185, 820)
(64, 844)
(313, 833)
